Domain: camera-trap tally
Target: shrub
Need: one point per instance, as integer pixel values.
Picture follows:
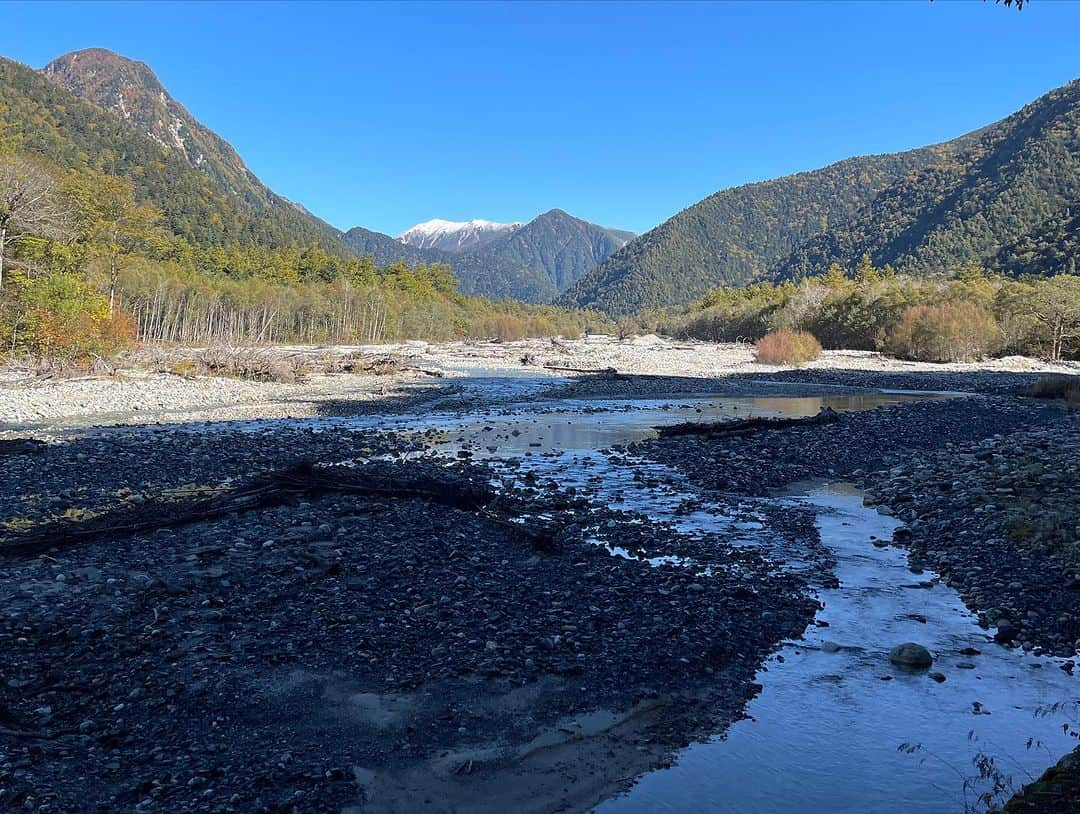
(63, 317)
(788, 348)
(950, 332)
(187, 368)
(626, 328)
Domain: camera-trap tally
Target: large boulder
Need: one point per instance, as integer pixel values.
(911, 655)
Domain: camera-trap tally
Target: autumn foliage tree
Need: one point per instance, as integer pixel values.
(115, 224)
(67, 318)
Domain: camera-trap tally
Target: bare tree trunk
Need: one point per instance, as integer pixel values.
(3, 244)
(112, 286)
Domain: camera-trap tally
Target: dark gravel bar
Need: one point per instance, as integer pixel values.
(259, 662)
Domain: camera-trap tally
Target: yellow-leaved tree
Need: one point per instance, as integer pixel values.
(115, 225)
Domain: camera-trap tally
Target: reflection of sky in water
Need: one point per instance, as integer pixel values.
(824, 733)
(596, 424)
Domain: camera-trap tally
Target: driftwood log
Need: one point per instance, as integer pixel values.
(607, 372)
(277, 488)
(745, 426)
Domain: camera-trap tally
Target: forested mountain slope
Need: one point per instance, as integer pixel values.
(478, 272)
(736, 235)
(1053, 247)
(1005, 196)
(132, 91)
(1003, 200)
(563, 246)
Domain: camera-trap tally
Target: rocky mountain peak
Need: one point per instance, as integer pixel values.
(130, 89)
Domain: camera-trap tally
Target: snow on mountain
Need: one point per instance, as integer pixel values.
(455, 236)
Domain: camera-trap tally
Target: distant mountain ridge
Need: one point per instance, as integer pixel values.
(94, 110)
(455, 236)
(1007, 195)
(533, 262)
(735, 236)
(478, 272)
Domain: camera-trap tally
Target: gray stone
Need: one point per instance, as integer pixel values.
(1006, 631)
(910, 654)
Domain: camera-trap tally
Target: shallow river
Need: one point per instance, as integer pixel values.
(838, 730)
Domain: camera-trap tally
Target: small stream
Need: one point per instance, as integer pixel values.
(836, 728)
(828, 727)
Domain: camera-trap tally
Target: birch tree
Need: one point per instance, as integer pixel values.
(30, 205)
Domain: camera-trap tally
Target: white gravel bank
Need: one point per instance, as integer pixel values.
(135, 396)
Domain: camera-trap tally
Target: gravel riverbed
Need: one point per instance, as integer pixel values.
(140, 395)
(361, 653)
(298, 658)
(999, 519)
(988, 486)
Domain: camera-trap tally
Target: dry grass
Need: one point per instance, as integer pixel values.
(788, 348)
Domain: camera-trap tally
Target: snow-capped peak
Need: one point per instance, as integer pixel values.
(455, 236)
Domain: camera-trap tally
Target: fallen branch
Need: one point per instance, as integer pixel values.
(745, 426)
(268, 491)
(383, 365)
(436, 374)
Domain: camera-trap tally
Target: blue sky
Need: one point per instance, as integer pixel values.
(384, 115)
